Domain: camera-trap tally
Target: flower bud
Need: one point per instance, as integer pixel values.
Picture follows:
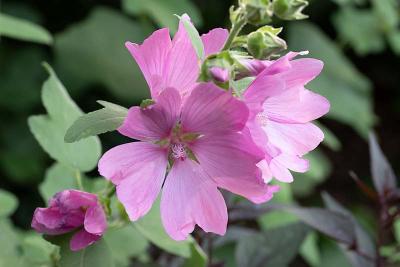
(289, 9)
(256, 12)
(219, 74)
(217, 68)
(265, 42)
(72, 211)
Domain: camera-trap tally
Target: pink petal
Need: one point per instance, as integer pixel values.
(210, 109)
(49, 221)
(260, 89)
(156, 121)
(123, 161)
(219, 74)
(95, 220)
(152, 58)
(294, 139)
(302, 71)
(279, 167)
(183, 68)
(296, 105)
(214, 40)
(74, 199)
(190, 197)
(82, 239)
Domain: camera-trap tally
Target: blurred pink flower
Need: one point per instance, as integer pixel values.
(281, 111)
(167, 63)
(200, 142)
(72, 210)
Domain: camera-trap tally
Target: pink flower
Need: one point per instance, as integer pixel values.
(167, 63)
(199, 141)
(281, 111)
(72, 210)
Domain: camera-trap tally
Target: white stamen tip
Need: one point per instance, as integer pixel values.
(303, 53)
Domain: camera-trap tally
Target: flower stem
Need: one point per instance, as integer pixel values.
(78, 179)
(236, 28)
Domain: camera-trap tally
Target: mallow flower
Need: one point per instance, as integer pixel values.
(282, 111)
(72, 211)
(199, 142)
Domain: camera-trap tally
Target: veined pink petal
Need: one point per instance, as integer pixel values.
(279, 167)
(152, 58)
(214, 40)
(260, 89)
(210, 109)
(294, 139)
(183, 64)
(139, 190)
(125, 160)
(95, 220)
(156, 121)
(302, 71)
(296, 105)
(82, 239)
(190, 197)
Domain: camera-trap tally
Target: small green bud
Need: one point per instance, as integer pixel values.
(223, 63)
(265, 42)
(146, 103)
(290, 9)
(257, 12)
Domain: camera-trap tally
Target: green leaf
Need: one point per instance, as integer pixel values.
(330, 139)
(273, 248)
(360, 29)
(162, 11)
(348, 91)
(49, 130)
(194, 36)
(151, 227)
(394, 41)
(197, 258)
(58, 177)
(9, 244)
(97, 122)
(37, 251)
(93, 52)
(8, 203)
(23, 30)
(363, 240)
(125, 243)
(382, 173)
(95, 255)
(309, 250)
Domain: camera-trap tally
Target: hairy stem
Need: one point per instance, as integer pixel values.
(78, 179)
(236, 28)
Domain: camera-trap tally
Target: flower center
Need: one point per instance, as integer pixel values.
(262, 119)
(178, 151)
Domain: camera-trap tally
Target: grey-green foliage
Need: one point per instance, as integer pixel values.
(97, 122)
(8, 203)
(92, 52)
(24, 30)
(348, 91)
(162, 11)
(49, 130)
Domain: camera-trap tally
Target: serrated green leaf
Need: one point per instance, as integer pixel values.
(23, 30)
(96, 122)
(8, 203)
(151, 227)
(162, 11)
(49, 130)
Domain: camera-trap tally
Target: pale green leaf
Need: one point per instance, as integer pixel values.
(193, 36)
(198, 257)
(8, 203)
(23, 30)
(309, 250)
(49, 130)
(125, 243)
(97, 122)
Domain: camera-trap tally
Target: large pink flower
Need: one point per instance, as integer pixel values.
(72, 210)
(199, 141)
(281, 111)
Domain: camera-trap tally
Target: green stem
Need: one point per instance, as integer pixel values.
(236, 28)
(78, 178)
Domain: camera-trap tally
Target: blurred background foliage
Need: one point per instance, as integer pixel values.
(358, 40)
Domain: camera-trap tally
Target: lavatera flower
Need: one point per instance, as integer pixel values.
(282, 111)
(200, 144)
(72, 211)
